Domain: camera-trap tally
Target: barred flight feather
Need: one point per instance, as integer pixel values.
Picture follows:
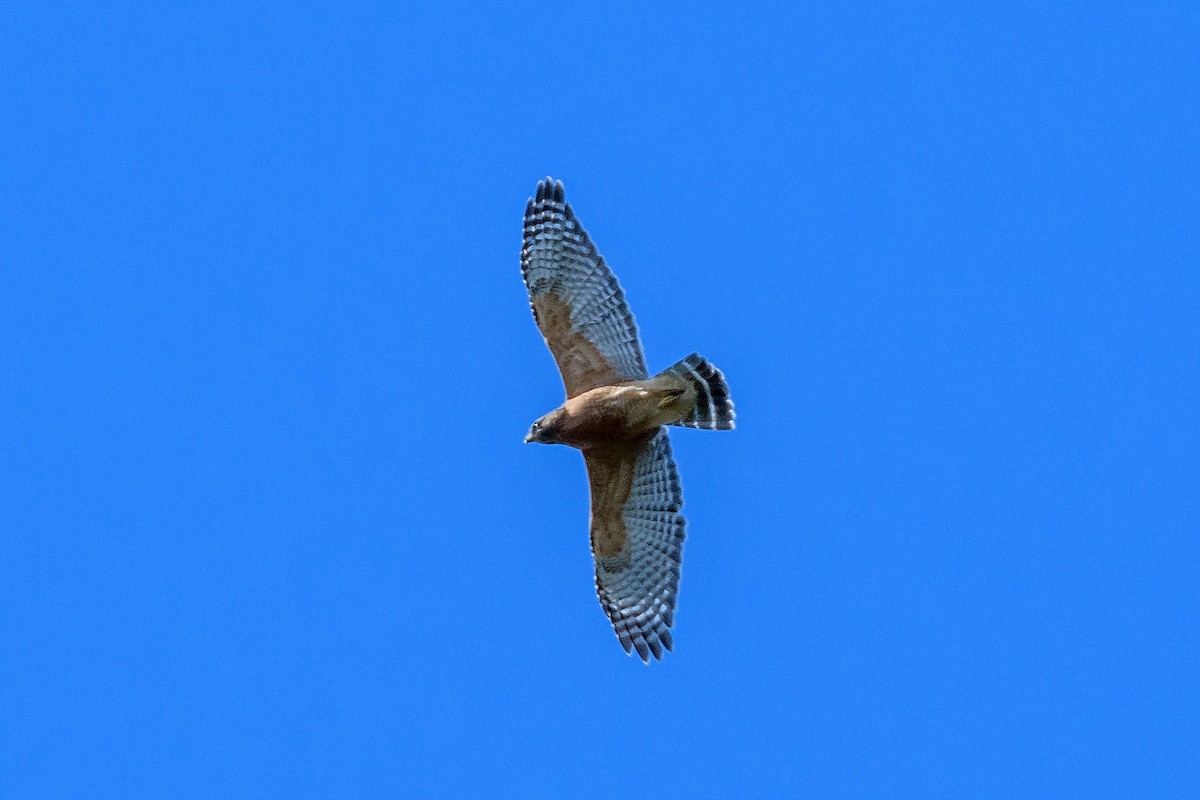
(714, 407)
(559, 259)
(638, 587)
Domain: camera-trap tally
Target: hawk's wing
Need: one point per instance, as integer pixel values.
(577, 302)
(637, 540)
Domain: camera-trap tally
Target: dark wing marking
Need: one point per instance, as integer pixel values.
(576, 300)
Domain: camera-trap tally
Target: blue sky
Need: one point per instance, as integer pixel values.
(268, 527)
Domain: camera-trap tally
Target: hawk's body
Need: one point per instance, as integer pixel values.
(614, 414)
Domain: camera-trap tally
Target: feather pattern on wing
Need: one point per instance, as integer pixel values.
(639, 582)
(576, 300)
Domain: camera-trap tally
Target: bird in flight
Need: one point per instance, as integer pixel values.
(614, 413)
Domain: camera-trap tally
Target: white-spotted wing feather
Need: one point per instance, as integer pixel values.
(638, 587)
(558, 258)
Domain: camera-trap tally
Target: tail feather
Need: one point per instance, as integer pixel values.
(713, 409)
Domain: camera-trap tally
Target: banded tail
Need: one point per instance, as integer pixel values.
(714, 409)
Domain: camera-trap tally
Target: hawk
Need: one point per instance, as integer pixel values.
(615, 413)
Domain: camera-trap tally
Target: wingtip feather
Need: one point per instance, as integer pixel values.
(549, 190)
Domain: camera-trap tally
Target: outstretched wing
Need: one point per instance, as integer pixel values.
(576, 300)
(637, 540)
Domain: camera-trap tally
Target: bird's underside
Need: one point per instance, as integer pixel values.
(614, 414)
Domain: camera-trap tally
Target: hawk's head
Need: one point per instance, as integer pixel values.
(546, 429)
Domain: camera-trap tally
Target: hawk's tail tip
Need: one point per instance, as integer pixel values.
(714, 407)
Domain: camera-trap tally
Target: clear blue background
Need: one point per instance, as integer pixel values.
(268, 527)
